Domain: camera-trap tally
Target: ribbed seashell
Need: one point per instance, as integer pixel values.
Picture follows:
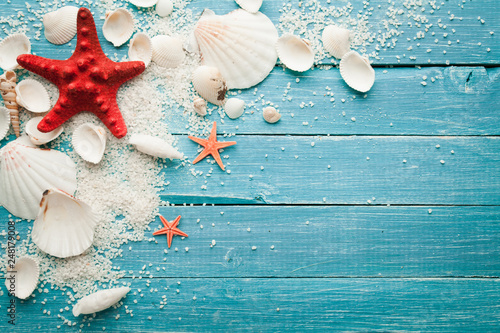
(240, 44)
(89, 141)
(11, 47)
(64, 226)
(153, 146)
(210, 84)
(99, 301)
(271, 115)
(118, 26)
(336, 40)
(40, 138)
(5, 122)
(141, 48)
(167, 51)
(164, 7)
(251, 6)
(32, 96)
(60, 26)
(200, 106)
(23, 277)
(26, 172)
(143, 3)
(8, 91)
(296, 53)
(357, 71)
(234, 107)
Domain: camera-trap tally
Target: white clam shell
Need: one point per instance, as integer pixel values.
(40, 138)
(141, 48)
(10, 48)
(26, 172)
(99, 301)
(240, 44)
(64, 226)
(154, 146)
(164, 7)
(357, 71)
(336, 40)
(210, 84)
(23, 277)
(199, 105)
(271, 115)
(234, 107)
(251, 6)
(118, 26)
(89, 141)
(143, 3)
(60, 26)
(4, 122)
(295, 52)
(32, 96)
(167, 51)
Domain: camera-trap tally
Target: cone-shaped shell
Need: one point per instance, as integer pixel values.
(271, 115)
(21, 280)
(40, 138)
(357, 71)
(141, 48)
(60, 26)
(118, 26)
(210, 84)
(4, 122)
(99, 301)
(64, 226)
(32, 96)
(89, 141)
(143, 3)
(154, 146)
(234, 107)
(200, 106)
(251, 6)
(295, 53)
(11, 47)
(167, 51)
(164, 7)
(336, 40)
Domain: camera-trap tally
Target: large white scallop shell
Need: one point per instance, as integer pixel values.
(64, 226)
(336, 40)
(357, 71)
(167, 51)
(251, 6)
(89, 141)
(118, 26)
(240, 44)
(154, 146)
(26, 172)
(143, 3)
(296, 53)
(164, 7)
(41, 138)
(271, 115)
(200, 106)
(234, 107)
(99, 301)
(11, 47)
(141, 48)
(23, 277)
(4, 122)
(210, 84)
(60, 26)
(32, 96)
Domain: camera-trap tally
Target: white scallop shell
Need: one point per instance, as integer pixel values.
(251, 6)
(4, 122)
(234, 107)
(167, 51)
(240, 44)
(164, 7)
(23, 277)
(32, 96)
(296, 53)
(26, 172)
(40, 138)
(89, 141)
(60, 26)
(143, 3)
(141, 48)
(153, 146)
(118, 26)
(336, 40)
(99, 301)
(64, 226)
(357, 71)
(11, 47)
(210, 84)
(271, 115)
(200, 106)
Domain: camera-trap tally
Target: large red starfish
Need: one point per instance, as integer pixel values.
(212, 146)
(170, 229)
(87, 81)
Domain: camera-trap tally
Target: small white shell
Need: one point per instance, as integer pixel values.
(234, 107)
(60, 26)
(11, 47)
(167, 51)
(336, 40)
(271, 115)
(164, 7)
(200, 106)
(5, 122)
(295, 53)
(40, 138)
(99, 301)
(210, 84)
(154, 146)
(143, 3)
(21, 280)
(118, 26)
(33, 96)
(357, 71)
(89, 141)
(141, 48)
(251, 6)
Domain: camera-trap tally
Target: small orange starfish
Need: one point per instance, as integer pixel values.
(170, 229)
(211, 146)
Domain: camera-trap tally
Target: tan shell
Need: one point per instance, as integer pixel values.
(8, 92)
(336, 40)
(11, 47)
(118, 26)
(210, 84)
(60, 26)
(296, 53)
(357, 71)
(167, 51)
(271, 115)
(200, 106)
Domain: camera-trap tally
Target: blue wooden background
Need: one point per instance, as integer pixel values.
(344, 237)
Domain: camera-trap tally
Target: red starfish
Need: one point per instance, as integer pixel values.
(211, 146)
(170, 229)
(87, 81)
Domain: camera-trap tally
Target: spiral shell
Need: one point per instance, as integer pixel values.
(271, 115)
(8, 92)
(200, 106)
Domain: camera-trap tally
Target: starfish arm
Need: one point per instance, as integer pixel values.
(160, 232)
(169, 238)
(56, 117)
(202, 155)
(217, 158)
(164, 221)
(180, 233)
(176, 221)
(46, 68)
(87, 33)
(225, 144)
(201, 142)
(213, 132)
(124, 71)
(110, 115)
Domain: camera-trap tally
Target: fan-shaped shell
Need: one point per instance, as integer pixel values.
(240, 44)
(200, 106)
(271, 115)
(40, 138)
(99, 301)
(210, 84)
(89, 141)
(60, 26)
(64, 226)
(167, 51)
(143, 3)
(234, 107)
(118, 26)
(11, 47)
(336, 40)
(23, 277)
(251, 6)
(26, 172)
(141, 48)
(164, 7)
(4, 122)
(33, 96)
(357, 71)
(295, 53)
(153, 146)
